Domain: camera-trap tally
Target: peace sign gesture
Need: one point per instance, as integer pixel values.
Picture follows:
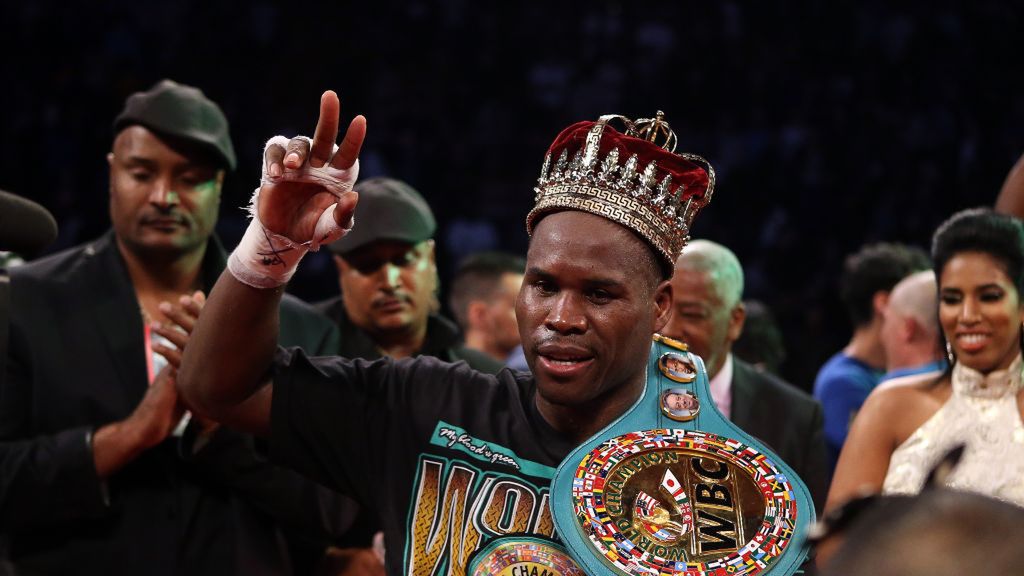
(303, 178)
(305, 199)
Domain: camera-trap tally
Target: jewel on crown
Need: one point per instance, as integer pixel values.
(610, 165)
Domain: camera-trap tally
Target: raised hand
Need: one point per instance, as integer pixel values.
(301, 178)
(305, 199)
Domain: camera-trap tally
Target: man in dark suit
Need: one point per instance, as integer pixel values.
(708, 315)
(102, 470)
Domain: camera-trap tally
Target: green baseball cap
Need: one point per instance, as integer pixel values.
(388, 209)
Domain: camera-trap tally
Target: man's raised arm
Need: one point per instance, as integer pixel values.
(305, 199)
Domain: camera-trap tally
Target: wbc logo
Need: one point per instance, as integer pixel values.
(680, 502)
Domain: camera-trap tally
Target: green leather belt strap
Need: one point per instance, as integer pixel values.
(673, 487)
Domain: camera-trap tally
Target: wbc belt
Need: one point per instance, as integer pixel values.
(672, 487)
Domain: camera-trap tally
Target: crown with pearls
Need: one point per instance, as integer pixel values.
(634, 178)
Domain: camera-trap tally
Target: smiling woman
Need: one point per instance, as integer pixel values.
(979, 264)
(904, 428)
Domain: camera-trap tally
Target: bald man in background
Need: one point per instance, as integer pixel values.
(910, 329)
(708, 315)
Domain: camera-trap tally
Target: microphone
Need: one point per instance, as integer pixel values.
(25, 227)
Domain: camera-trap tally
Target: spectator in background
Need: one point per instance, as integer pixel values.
(100, 472)
(760, 343)
(708, 315)
(388, 279)
(910, 331)
(483, 300)
(903, 430)
(851, 374)
(937, 533)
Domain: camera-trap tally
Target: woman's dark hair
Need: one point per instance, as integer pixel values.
(981, 230)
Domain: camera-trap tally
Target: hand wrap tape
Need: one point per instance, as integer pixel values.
(265, 259)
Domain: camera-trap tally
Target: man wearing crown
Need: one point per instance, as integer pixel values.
(456, 463)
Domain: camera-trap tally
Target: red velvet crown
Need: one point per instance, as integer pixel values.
(628, 178)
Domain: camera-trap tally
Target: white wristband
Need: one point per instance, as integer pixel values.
(264, 259)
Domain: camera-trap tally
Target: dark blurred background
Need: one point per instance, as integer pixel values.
(830, 124)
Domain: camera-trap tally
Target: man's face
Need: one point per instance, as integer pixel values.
(501, 312)
(680, 402)
(587, 310)
(675, 365)
(701, 319)
(388, 287)
(161, 200)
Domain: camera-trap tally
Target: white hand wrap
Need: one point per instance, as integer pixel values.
(264, 259)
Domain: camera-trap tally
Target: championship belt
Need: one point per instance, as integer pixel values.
(672, 487)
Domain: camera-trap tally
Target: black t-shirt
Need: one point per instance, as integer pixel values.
(448, 457)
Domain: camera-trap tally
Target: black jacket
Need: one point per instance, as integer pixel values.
(787, 419)
(77, 362)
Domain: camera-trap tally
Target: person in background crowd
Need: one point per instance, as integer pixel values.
(483, 301)
(903, 430)
(388, 280)
(708, 315)
(937, 533)
(103, 472)
(846, 379)
(910, 331)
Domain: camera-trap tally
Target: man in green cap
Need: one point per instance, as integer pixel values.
(387, 275)
(103, 471)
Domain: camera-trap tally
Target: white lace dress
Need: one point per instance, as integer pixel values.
(981, 413)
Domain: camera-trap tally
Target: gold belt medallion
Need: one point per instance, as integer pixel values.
(523, 555)
(683, 502)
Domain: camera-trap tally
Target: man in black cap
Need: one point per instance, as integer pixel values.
(102, 471)
(388, 279)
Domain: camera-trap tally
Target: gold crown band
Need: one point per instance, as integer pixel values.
(629, 194)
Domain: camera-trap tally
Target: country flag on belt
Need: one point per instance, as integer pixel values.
(674, 488)
(644, 505)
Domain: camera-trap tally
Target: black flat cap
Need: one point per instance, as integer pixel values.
(180, 111)
(388, 209)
